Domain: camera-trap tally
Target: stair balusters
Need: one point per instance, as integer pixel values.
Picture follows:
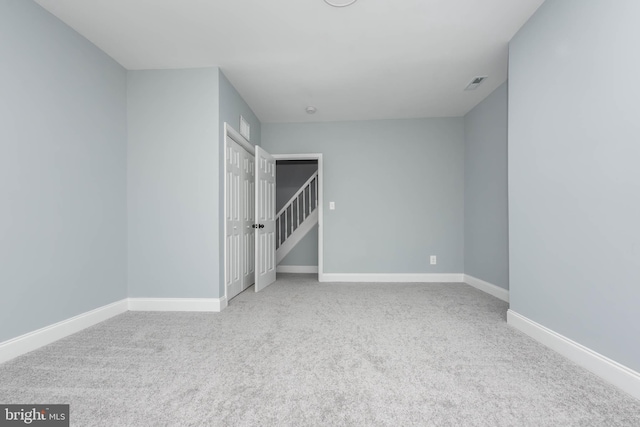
(297, 209)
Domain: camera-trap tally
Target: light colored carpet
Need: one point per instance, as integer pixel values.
(302, 353)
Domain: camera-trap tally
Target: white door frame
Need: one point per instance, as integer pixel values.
(233, 134)
(318, 157)
(230, 133)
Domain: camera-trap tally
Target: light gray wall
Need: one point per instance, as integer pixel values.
(62, 172)
(231, 107)
(485, 190)
(398, 188)
(173, 183)
(290, 176)
(574, 179)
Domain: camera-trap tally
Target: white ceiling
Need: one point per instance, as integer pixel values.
(376, 59)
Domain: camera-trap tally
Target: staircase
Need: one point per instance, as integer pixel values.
(297, 217)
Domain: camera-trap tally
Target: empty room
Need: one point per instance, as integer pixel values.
(319, 212)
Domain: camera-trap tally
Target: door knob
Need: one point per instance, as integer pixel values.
(261, 225)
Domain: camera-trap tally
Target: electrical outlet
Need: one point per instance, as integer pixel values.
(432, 259)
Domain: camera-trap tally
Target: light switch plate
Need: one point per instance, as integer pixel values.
(332, 205)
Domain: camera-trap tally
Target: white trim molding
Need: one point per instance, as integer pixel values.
(233, 134)
(297, 269)
(392, 278)
(177, 304)
(39, 338)
(619, 375)
(487, 287)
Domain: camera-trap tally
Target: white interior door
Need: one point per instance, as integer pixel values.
(248, 219)
(233, 223)
(265, 217)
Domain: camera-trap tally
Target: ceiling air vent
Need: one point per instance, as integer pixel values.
(475, 83)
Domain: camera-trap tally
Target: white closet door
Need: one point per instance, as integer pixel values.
(233, 242)
(265, 204)
(248, 219)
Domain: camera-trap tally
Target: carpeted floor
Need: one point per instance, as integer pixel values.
(302, 353)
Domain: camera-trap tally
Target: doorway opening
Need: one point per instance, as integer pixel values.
(299, 219)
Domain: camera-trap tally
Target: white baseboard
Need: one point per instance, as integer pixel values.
(396, 278)
(41, 337)
(609, 370)
(177, 304)
(487, 287)
(297, 269)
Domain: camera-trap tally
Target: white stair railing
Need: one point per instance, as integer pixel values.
(297, 209)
